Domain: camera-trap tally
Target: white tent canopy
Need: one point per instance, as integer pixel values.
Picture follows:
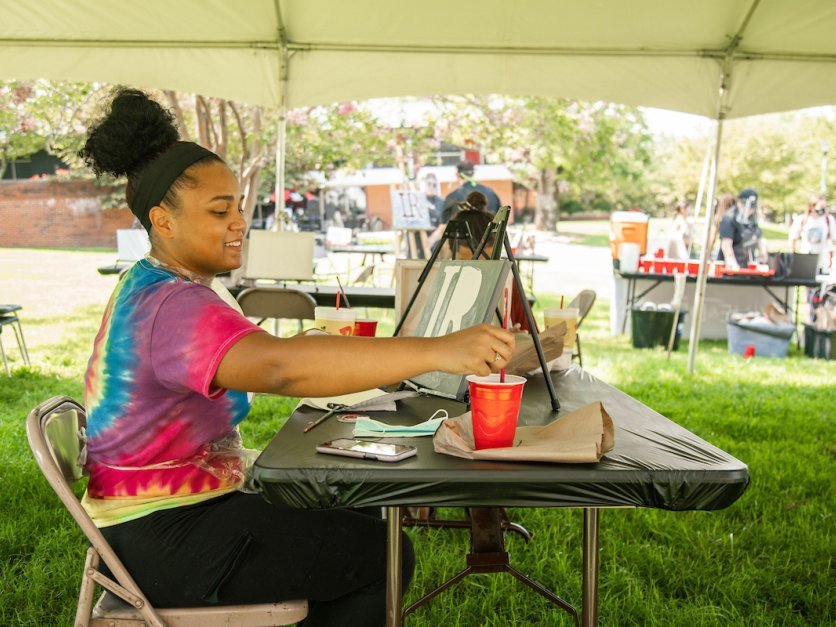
(717, 58)
(779, 55)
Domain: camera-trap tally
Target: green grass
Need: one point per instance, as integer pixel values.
(766, 560)
(586, 232)
(775, 232)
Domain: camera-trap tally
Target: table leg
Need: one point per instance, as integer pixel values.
(795, 314)
(628, 303)
(590, 566)
(394, 559)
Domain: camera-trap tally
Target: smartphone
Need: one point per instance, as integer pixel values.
(377, 451)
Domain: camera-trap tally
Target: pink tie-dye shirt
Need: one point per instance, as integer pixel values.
(156, 426)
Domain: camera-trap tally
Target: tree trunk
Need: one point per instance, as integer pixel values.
(249, 188)
(174, 103)
(545, 217)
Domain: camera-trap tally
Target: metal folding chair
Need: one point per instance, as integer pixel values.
(277, 303)
(583, 301)
(8, 317)
(55, 433)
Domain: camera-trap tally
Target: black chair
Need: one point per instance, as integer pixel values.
(8, 317)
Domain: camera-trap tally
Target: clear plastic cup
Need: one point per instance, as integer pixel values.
(494, 409)
(365, 328)
(334, 321)
(556, 315)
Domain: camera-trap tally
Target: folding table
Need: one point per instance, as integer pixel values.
(655, 463)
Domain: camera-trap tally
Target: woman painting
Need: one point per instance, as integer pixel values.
(168, 382)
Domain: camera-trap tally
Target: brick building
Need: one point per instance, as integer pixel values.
(48, 213)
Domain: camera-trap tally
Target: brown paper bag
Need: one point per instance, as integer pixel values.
(525, 360)
(579, 437)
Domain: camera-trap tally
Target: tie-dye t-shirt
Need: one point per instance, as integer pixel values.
(159, 434)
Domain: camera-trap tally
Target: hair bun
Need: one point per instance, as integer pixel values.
(134, 131)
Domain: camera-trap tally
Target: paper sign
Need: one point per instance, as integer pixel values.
(410, 210)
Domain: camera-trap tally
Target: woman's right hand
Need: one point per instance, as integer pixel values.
(480, 350)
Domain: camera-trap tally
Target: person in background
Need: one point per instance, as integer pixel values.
(722, 206)
(681, 234)
(814, 231)
(434, 199)
(740, 236)
(169, 380)
(464, 173)
(478, 201)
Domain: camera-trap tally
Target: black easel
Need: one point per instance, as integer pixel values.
(456, 231)
(459, 231)
(486, 524)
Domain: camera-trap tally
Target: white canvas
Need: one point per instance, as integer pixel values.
(279, 255)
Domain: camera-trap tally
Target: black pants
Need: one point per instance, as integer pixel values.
(240, 549)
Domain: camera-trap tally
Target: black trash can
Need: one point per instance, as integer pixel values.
(653, 328)
(819, 344)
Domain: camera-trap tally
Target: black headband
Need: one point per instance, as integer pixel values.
(157, 179)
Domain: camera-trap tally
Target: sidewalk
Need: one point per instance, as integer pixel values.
(571, 267)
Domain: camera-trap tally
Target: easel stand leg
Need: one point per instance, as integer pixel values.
(498, 228)
(532, 325)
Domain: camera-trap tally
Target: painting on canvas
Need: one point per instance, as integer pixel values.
(462, 294)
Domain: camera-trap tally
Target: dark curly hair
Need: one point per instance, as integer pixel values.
(134, 131)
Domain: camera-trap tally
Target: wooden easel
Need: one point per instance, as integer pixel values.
(417, 246)
(409, 215)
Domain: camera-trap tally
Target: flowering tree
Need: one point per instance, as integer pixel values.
(43, 115)
(559, 147)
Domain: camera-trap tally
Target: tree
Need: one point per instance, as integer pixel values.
(780, 155)
(44, 115)
(233, 131)
(349, 136)
(557, 146)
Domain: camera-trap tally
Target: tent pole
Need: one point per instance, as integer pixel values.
(703, 181)
(281, 124)
(701, 192)
(702, 277)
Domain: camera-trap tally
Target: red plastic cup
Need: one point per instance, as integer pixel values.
(494, 409)
(366, 328)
